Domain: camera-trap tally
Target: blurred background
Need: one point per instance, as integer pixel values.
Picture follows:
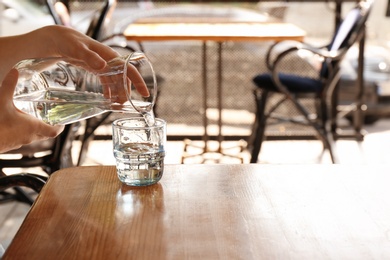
(179, 65)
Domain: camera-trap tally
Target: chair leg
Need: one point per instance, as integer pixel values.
(328, 140)
(91, 125)
(260, 122)
(18, 195)
(322, 131)
(22, 196)
(331, 151)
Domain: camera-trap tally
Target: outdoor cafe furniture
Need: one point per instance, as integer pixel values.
(49, 155)
(312, 100)
(211, 211)
(209, 29)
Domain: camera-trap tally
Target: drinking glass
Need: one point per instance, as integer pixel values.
(62, 91)
(139, 150)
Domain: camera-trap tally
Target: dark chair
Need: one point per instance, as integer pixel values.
(98, 22)
(58, 19)
(49, 156)
(98, 25)
(310, 97)
(98, 30)
(16, 181)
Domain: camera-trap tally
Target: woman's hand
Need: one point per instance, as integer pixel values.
(16, 127)
(61, 41)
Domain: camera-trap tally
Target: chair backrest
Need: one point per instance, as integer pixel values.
(32, 181)
(56, 153)
(350, 31)
(100, 19)
(58, 16)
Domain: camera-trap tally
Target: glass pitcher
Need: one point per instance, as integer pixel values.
(59, 91)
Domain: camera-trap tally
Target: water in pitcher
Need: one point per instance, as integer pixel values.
(58, 91)
(64, 107)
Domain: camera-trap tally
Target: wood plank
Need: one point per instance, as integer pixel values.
(212, 212)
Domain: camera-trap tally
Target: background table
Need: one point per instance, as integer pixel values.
(200, 29)
(219, 31)
(212, 212)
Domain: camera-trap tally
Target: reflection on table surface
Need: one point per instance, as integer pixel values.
(249, 211)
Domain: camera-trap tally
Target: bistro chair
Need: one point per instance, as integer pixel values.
(98, 30)
(16, 181)
(58, 17)
(48, 156)
(99, 19)
(98, 26)
(306, 97)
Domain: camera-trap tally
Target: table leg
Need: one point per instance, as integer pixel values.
(205, 151)
(205, 87)
(241, 144)
(205, 138)
(219, 97)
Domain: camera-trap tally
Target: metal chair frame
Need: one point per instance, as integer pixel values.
(330, 73)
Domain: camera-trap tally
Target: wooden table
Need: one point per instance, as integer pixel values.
(209, 29)
(149, 30)
(212, 212)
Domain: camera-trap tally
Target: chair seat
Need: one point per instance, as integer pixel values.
(293, 83)
(313, 101)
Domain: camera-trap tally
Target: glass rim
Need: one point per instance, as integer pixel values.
(159, 122)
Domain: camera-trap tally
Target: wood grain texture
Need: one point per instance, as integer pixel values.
(212, 212)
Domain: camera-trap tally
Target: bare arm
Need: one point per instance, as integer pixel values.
(60, 41)
(54, 41)
(16, 127)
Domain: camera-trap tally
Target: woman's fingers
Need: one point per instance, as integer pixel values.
(139, 83)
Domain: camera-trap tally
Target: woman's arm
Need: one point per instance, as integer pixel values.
(53, 41)
(16, 127)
